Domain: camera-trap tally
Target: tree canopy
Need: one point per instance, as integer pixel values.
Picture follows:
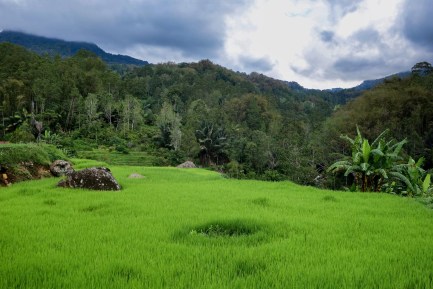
(249, 124)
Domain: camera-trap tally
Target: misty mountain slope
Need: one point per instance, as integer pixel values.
(52, 46)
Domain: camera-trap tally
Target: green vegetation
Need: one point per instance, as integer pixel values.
(401, 106)
(247, 126)
(193, 228)
(378, 167)
(196, 228)
(370, 164)
(117, 158)
(20, 162)
(42, 154)
(51, 46)
(170, 112)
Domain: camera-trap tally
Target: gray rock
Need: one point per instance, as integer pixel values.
(96, 178)
(60, 168)
(187, 165)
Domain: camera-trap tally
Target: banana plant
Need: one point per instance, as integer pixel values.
(416, 181)
(212, 141)
(369, 164)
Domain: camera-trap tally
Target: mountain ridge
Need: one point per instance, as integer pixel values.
(53, 46)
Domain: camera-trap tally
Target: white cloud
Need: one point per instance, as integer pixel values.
(156, 54)
(277, 30)
(312, 41)
(318, 43)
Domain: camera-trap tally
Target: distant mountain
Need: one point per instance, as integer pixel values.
(365, 85)
(343, 95)
(52, 46)
(369, 84)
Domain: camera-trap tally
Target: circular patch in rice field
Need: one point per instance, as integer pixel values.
(237, 231)
(329, 198)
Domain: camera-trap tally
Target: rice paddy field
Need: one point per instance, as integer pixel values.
(193, 228)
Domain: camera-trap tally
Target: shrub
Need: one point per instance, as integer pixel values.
(234, 170)
(22, 134)
(42, 154)
(273, 176)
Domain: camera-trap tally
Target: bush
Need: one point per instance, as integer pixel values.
(22, 134)
(53, 152)
(234, 170)
(121, 148)
(41, 154)
(272, 175)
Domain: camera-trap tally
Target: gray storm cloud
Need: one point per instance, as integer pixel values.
(417, 23)
(192, 27)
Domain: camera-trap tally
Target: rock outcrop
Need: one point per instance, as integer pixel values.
(96, 178)
(60, 168)
(187, 165)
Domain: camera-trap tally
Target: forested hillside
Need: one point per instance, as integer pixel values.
(404, 106)
(51, 46)
(247, 125)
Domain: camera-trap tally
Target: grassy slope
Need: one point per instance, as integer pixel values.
(144, 236)
(115, 158)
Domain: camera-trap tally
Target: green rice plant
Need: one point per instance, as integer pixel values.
(133, 158)
(264, 202)
(193, 228)
(230, 228)
(330, 198)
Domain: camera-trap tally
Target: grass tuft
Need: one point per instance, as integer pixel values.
(50, 202)
(244, 268)
(124, 272)
(329, 198)
(263, 202)
(93, 208)
(226, 228)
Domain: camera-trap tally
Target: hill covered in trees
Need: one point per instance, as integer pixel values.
(247, 125)
(53, 47)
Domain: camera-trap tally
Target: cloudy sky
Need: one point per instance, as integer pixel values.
(318, 43)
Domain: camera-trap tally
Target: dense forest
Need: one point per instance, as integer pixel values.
(44, 45)
(245, 125)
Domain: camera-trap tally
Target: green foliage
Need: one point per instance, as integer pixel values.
(233, 170)
(51, 46)
(273, 176)
(169, 124)
(422, 68)
(204, 112)
(369, 165)
(116, 157)
(23, 134)
(402, 106)
(249, 234)
(413, 179)
(42, 154)
(378, 167)
(213, 142)
(83, 105)
(229, 228)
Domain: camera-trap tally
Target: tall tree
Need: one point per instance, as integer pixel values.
(169, 123)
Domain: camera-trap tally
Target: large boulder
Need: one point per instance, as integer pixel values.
(60, 168)
(97, 178)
